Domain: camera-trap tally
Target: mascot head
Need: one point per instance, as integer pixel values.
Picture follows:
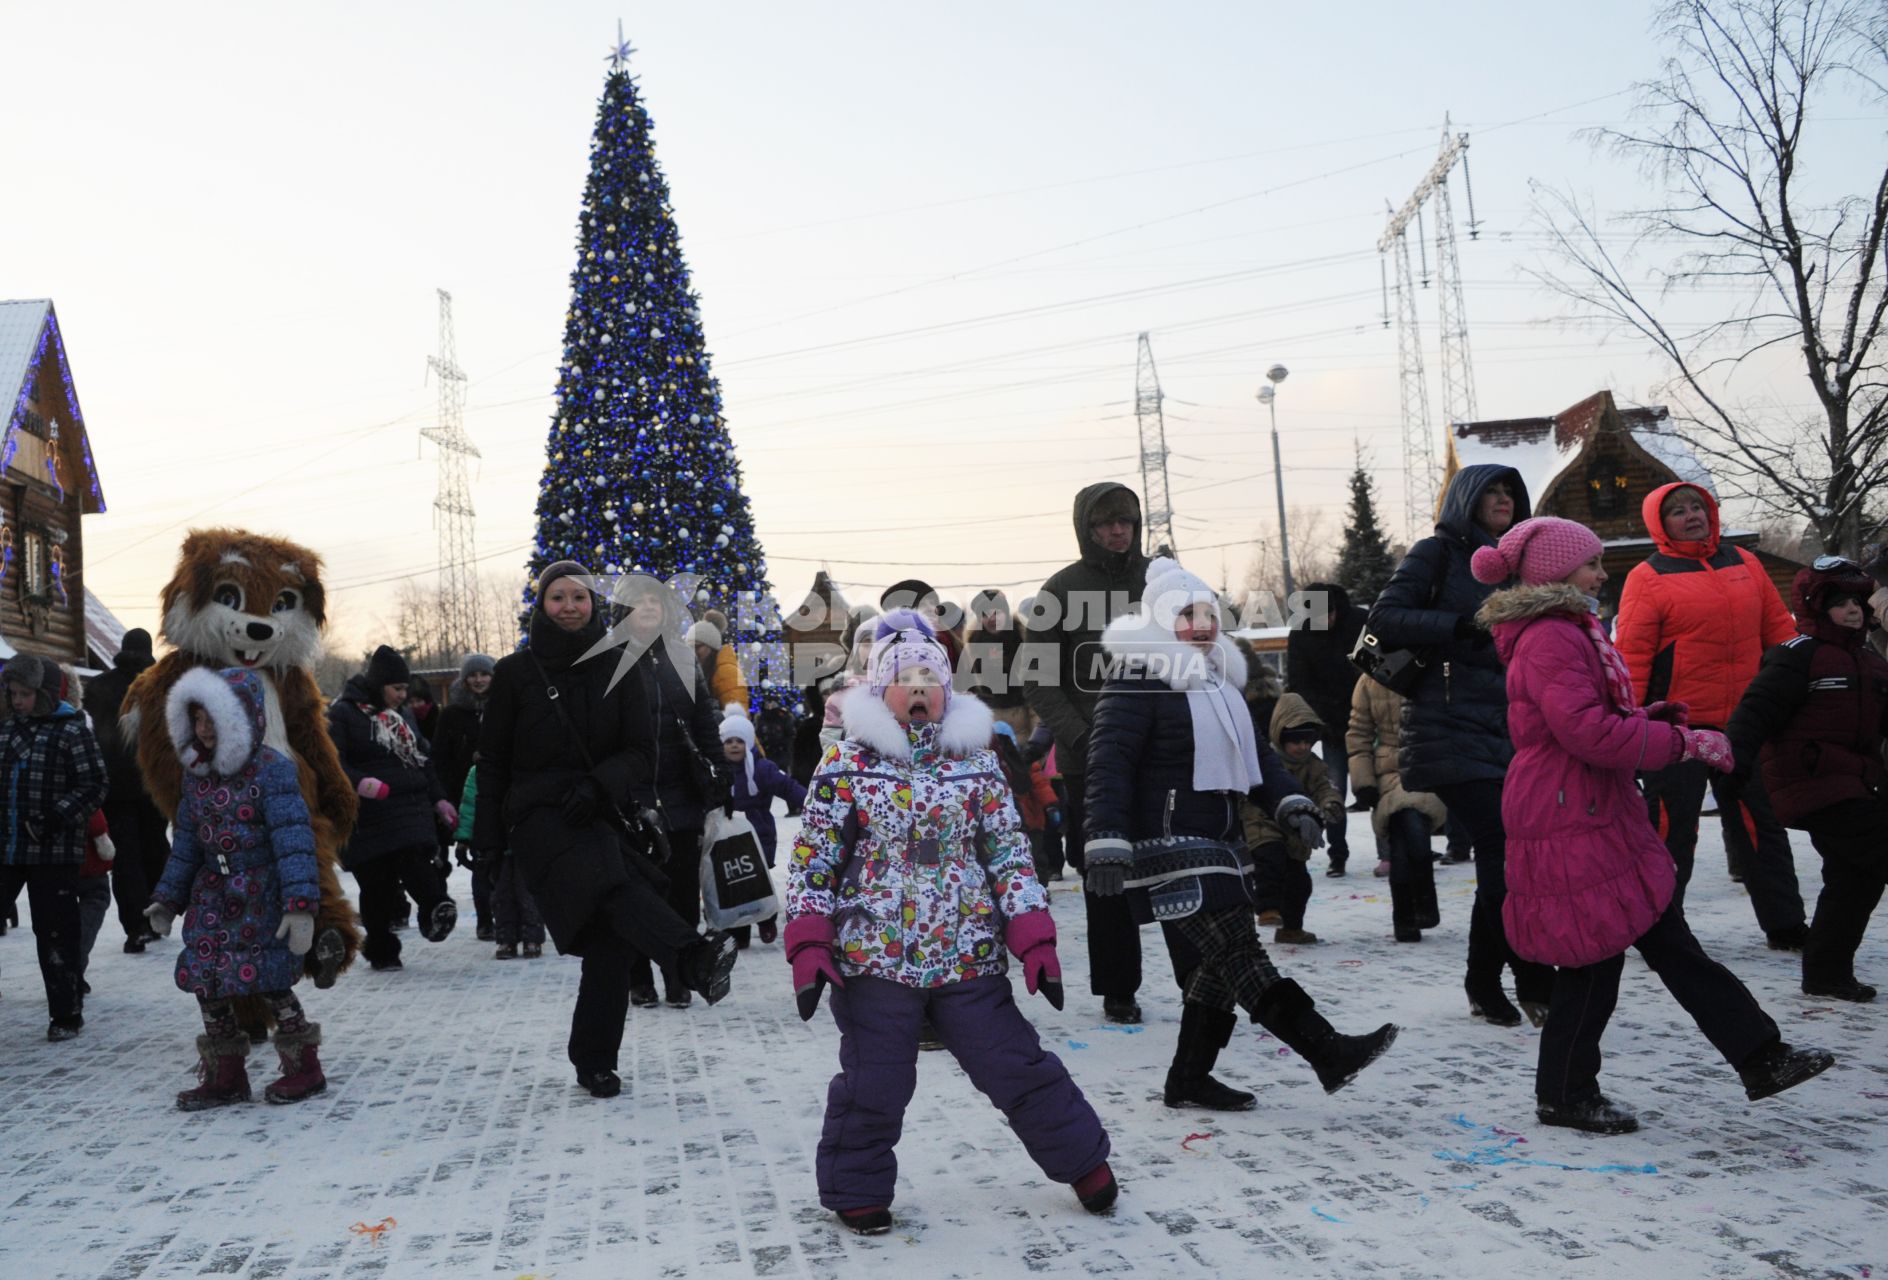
(242, 599)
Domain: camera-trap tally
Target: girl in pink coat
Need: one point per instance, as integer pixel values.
(1588, 875)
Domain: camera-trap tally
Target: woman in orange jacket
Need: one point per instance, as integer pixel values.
(1694, 622)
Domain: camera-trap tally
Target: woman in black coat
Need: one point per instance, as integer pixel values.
(563, 751)
(402, 808)
(1171, 753)
(1455, 722)
(455, 751)
(689, 772)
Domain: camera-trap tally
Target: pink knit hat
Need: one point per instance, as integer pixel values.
(1538, 551)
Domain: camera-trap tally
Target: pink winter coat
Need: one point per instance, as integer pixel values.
(1587, 872)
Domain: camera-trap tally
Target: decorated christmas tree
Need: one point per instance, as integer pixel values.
(1365, 563)
(639, 473)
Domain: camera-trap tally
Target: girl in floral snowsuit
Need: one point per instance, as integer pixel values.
(910, 876)
(242, 874)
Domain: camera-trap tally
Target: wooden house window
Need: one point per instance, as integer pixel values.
(33, 570)
(1606, 485)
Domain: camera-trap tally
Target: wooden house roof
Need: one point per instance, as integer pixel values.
(29, 335)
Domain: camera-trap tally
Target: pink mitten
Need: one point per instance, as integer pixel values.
(1711, 747)
(1678, 713)
(809, 947)
(1031, 936)
(373, 789)
(448, 816)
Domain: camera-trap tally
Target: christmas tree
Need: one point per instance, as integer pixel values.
(1365, 563)
(639, 473)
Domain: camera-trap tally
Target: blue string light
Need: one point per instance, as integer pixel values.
(640, 475)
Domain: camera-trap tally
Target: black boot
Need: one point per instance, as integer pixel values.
(1596, 1114)
(1403, 914)
(1428, 915)
(1777, 1067)
(705, 965)
(1288, 1013)
(1203, 1033)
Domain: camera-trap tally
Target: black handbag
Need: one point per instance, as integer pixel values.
(1398, 670)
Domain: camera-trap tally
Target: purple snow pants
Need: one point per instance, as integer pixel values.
(995, 1045)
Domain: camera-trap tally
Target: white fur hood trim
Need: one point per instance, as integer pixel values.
(1136, 635)
(235, 732)
(966, 726)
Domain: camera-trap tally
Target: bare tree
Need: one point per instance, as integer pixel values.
(1314, 552)
(1728, 128)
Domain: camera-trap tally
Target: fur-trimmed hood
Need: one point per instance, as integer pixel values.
(1138, 638)
(1507, 613)
(234, 699)
(966, 726)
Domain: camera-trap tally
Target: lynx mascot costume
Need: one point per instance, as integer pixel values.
(241, 599)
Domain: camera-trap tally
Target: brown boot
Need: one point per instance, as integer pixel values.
(221, 1074)
(301, 1071)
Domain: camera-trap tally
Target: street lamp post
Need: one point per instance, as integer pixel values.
(1268, 395)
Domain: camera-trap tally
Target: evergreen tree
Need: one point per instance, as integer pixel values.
(639, 473)
(1365, 563)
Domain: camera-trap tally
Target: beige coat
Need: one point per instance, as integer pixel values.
(1375, 727)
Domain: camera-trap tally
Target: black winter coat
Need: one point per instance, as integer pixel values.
(988, 668)
(1317, 662)
(529, 763)
(1455, 722)
(104, 702)
(1086, 595)
(405, 819)
(456, 742)
(1140, 771)
(691, 774)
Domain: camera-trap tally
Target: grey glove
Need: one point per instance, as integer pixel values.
(1107, 873)
(1299, 816)
(160, 917)
(299, 928)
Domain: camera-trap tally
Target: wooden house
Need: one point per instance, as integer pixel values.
(813, 632)
(50, 483)
(1595, 462)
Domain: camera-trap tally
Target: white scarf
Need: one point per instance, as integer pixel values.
(1225, 749)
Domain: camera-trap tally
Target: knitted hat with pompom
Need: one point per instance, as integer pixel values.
(1538, 551)
(901, 641)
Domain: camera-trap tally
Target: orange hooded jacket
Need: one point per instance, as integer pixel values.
(1696, 618)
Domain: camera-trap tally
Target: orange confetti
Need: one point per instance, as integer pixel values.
(376, 1231)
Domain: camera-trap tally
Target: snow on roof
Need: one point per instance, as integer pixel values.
(20, 325)
(1542, 449)
(104, 634)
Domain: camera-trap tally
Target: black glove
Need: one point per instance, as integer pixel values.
(727, 809)
(442, 862)
(462, 854)
(1034, 750)
(807, 998)
(1368, 796)
(1052, 992)
(583, 802)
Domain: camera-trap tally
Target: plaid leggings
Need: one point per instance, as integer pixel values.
(219, 1016)
(1234, 968)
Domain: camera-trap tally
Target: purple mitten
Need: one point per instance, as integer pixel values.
(1031, 936)
(809, 947)
(1678, 713)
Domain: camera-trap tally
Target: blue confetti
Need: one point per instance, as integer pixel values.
(1327, 1217)
(1077, 1044)
(1126, 1031)
(1495, 1143)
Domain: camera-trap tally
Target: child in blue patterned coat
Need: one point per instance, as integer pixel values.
(242, 874)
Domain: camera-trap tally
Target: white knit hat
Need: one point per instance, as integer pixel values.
(741, 728)
(705, 633)
(1171, 590)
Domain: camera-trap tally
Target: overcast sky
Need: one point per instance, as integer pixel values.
(242, 212)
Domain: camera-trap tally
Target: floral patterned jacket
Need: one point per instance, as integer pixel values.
(910, 843)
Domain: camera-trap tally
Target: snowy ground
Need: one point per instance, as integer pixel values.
(452, 1123)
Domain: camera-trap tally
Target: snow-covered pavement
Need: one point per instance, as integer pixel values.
(452, 1140)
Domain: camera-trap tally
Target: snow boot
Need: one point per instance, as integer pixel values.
(1204, 1032)
(601, 1084)
(1596, 1114)
(1288, 1013)
(330, 952)
(1097, 1189)
(1121, 1009)
(440, 921)
(222, 1074)
(866, 1222)
(705, 965)
(1777, 1067)
(301, 1069)
(1848, 988)
(1427, 914)
(1403, 914)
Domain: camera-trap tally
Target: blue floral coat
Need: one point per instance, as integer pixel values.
(242, 853)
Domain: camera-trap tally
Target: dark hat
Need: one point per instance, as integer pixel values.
(137, 643)
(908, 594)
(41, 675)
(1300, 733)
(559, 569)
(987, 599)
(475, 664)
(387, 667)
